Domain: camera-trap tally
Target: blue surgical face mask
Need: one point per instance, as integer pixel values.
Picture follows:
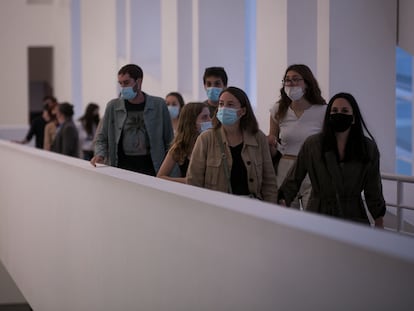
(204, 126)
(174, 111)
(213, 93)
(128, 92)
(227, 116)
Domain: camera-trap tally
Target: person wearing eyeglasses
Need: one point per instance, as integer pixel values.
(297, 114)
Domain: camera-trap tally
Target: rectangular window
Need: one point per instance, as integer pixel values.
(404, 115)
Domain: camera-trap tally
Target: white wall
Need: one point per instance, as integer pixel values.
(271, 55)
(362, 43)
(109, 239)
(338, 39)
(23, 26)
(98, 53)
(406, 25)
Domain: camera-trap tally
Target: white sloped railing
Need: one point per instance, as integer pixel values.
(400, 201)
(74, 237)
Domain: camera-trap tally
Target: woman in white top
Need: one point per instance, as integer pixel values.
(297, 114)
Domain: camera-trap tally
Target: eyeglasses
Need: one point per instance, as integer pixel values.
(291, 81)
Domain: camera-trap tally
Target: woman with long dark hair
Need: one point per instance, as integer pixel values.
(342, 162)
(194, 119)
(87, 128)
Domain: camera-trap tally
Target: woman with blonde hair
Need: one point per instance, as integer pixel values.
(194, 119)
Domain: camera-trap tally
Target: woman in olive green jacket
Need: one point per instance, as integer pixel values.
(234, 156)
(342, 163)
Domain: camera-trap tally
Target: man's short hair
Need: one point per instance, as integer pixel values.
(66, 109)
(134, 71)
(215, 72)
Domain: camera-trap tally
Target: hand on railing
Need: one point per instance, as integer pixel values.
(97, 159)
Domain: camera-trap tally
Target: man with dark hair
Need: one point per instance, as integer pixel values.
(67, 139)
(214, 80)
(136, 130)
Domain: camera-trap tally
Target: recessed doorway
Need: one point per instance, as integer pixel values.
(40, 64)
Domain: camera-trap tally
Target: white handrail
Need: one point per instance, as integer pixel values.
(400, 207)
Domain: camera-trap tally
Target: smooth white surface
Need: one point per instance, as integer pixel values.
(98, 53)
(340, 48)
(74, 237)
(406, 25)
(362, 41)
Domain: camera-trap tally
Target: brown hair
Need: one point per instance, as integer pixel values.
(187, 131)
(312, 91)
(248, 121)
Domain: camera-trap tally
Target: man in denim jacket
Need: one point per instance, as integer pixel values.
(136, 131)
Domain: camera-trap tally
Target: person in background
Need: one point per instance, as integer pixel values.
(87, 126)
(67, 139)
(297, 114)
(194, 119)
(37, 128)
(342, 163)
(50, 101)
(136, 129)
(175, 104)
(51, 126)
(234, 157)
(214, 80)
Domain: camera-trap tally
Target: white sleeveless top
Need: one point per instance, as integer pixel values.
(293, 130)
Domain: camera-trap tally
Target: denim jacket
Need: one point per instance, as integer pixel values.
(157, 122)
(206, 166)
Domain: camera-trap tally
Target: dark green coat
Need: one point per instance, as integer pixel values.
(333, 182)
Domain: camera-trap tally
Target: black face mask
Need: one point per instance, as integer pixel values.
(340, 122)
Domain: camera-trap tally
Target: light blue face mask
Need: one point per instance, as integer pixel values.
(174, 111)
(204, 126)
(213, 93)
(128, 92)
(227, 116)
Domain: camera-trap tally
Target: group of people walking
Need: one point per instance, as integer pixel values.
(55, 130)
(319, 157)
